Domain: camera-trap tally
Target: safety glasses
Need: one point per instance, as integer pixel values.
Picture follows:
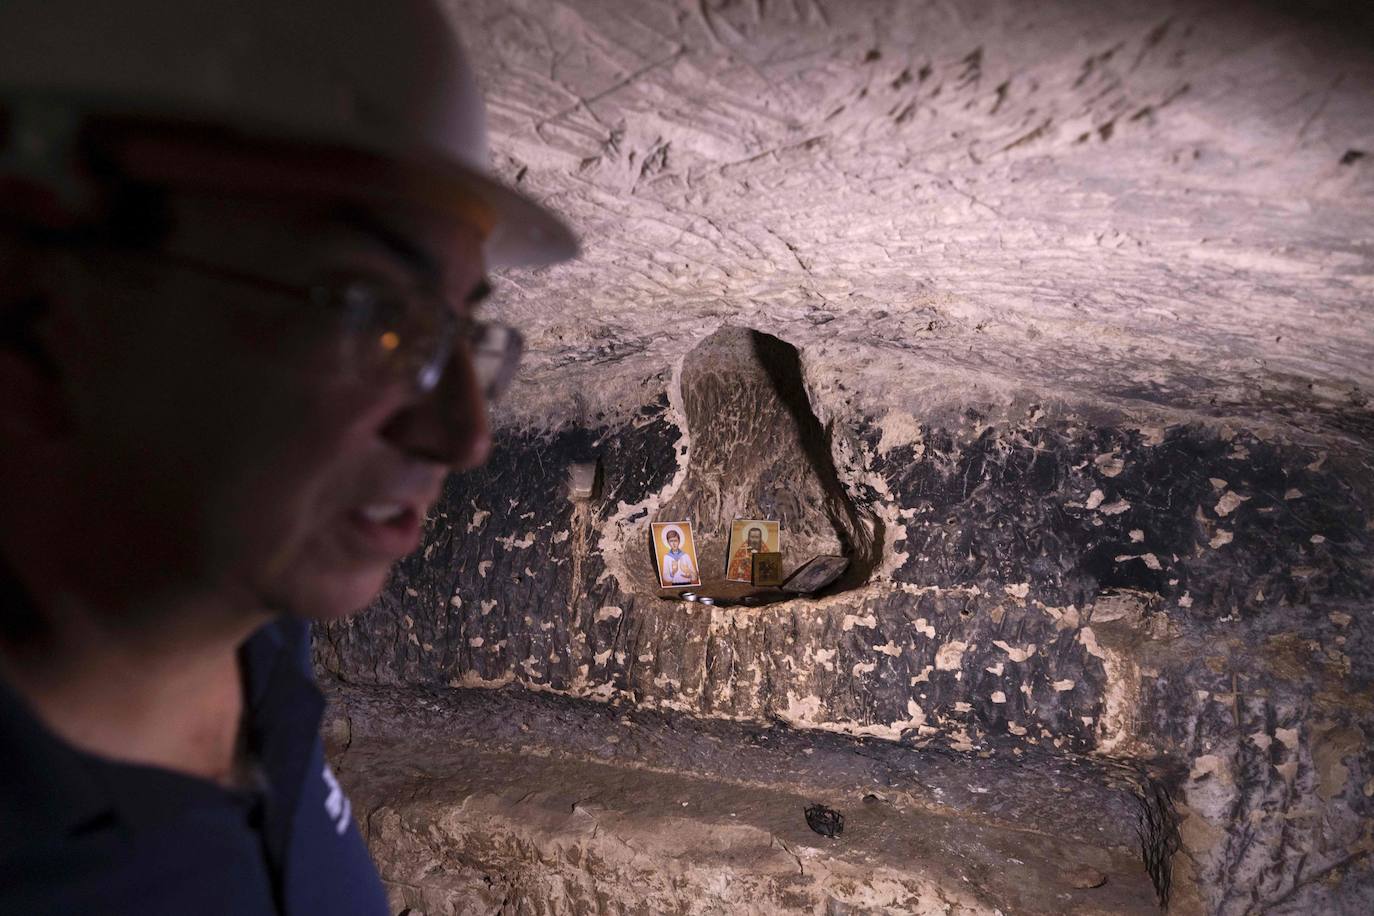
(385, 332)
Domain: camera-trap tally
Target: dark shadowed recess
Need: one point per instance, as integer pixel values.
(861, 544)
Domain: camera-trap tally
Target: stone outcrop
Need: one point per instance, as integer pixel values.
(1079, 296)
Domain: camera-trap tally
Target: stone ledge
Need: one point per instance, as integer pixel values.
(505, 801)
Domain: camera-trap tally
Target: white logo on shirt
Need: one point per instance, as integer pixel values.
(336, 804)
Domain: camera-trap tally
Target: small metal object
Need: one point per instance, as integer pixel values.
(825, 821)
(688, 596)
(705, 600)
(581, 480)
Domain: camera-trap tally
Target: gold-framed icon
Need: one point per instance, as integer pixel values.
(749, 536)
(768, 569)
(675, 554)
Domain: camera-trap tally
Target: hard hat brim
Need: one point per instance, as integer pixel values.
(524, 233)
(518, 231)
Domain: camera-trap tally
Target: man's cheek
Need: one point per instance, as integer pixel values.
(310, 481)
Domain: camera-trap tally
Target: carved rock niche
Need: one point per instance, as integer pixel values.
(758, 451)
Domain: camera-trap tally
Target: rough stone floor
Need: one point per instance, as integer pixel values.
(478, 801)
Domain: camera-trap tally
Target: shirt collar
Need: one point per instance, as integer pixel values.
(284, 712)
(49, 789)
(45, 791)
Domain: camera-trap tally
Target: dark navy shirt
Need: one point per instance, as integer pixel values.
(81, 834)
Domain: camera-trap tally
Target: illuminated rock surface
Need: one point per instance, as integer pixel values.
(510, 802)
(1080, 301)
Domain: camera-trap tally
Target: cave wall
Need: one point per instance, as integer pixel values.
(1081, 290)
(1165, 201)
(1193, 596)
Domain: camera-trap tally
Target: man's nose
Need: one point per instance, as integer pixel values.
(447, 425)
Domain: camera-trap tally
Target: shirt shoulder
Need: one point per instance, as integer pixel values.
(310, 832)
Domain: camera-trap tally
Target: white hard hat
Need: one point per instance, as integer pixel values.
(358, 98)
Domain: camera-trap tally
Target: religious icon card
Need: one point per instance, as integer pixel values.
(815, 574)
(768, 569)
(675, 553)
(749, 536)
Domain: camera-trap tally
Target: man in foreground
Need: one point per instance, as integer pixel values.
(241, 250)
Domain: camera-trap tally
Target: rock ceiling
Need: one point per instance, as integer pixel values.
(1166, 204)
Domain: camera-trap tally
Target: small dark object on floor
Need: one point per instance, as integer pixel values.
(825, 821)
(1352, 156)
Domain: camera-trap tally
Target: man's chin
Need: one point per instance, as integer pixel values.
(332, 597)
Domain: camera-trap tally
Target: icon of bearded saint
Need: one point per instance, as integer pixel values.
(742, 561)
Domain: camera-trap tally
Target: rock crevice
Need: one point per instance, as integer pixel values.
(757, 450)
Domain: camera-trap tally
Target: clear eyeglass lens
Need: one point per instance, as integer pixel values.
(412, 336)
(385, 333)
